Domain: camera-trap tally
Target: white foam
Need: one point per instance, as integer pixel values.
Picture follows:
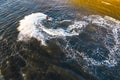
(31, 27)
(110, 24)
(106, 21)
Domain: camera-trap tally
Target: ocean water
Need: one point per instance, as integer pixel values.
(54, 40)
(102, 7)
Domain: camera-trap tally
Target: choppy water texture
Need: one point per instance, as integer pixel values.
(76, 44)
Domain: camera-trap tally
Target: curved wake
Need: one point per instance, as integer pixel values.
(101, 52)
(32, 27)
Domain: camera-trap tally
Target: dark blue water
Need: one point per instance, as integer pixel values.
(80, 57)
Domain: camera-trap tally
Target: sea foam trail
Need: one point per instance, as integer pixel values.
(32, 27)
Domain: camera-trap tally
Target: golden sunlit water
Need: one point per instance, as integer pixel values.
(105, 7)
